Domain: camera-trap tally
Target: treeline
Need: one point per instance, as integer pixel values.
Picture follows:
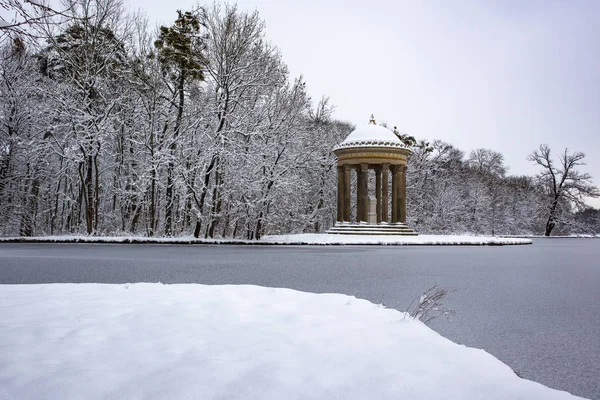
(108, 127)
(449, 192)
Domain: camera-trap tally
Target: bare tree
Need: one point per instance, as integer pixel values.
(489, 169)
(21, 158)
(88, 59)
(487, 161)
(565, 185)
(24, 14)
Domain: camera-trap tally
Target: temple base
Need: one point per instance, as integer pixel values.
(372, 229)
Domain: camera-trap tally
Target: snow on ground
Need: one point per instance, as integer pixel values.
(154, 341)
(298, 239)
(121, 239)
(316, 238)
(573, 236)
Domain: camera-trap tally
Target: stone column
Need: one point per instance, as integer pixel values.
(378, 193)
(364, 169)
(340, 194)
(402, 194)
(385, 169)
(395, 191)
(346, 215)
(363, 193)
(359, 197)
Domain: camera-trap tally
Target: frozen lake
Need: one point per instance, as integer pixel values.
(534, 307)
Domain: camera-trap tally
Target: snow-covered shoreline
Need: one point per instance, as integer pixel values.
(154, 341)
(296, 239)
(581, 236)
(393, 240)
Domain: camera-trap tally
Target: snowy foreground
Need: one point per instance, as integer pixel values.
(154, 341)
(299, 239)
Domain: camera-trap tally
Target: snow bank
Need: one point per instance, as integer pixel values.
(153, 341)
(300, 239)
(121, 239)
(573, 236)
(393, 240)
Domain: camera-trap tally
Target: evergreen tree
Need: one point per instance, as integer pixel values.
(180, 52)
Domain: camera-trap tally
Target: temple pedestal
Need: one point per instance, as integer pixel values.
(372, 229)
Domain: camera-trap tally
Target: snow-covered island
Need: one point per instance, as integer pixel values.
(154, 341)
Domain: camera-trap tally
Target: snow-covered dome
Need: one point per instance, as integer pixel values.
(371, 135)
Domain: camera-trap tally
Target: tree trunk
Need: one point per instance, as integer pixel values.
(551, 223)
(30, 210)
(87, 192)
(549, 226)
(169, 196)
(200, 203)
(217, 203)
(172, 148)
(96, 193)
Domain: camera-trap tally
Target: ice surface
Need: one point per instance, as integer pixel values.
(154, 341)
(534, 307)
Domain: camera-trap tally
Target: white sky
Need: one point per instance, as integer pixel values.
(501, 74)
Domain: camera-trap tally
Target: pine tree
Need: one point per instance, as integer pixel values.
(180, 52)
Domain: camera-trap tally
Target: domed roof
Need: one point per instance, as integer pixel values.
(371, 135)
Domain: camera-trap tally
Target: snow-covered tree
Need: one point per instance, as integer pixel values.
(108, 127)
(564, 184)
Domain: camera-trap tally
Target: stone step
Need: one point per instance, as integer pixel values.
(371, 228)
(333, 230)
(374, 233)
(360, 229)
(370, 225)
